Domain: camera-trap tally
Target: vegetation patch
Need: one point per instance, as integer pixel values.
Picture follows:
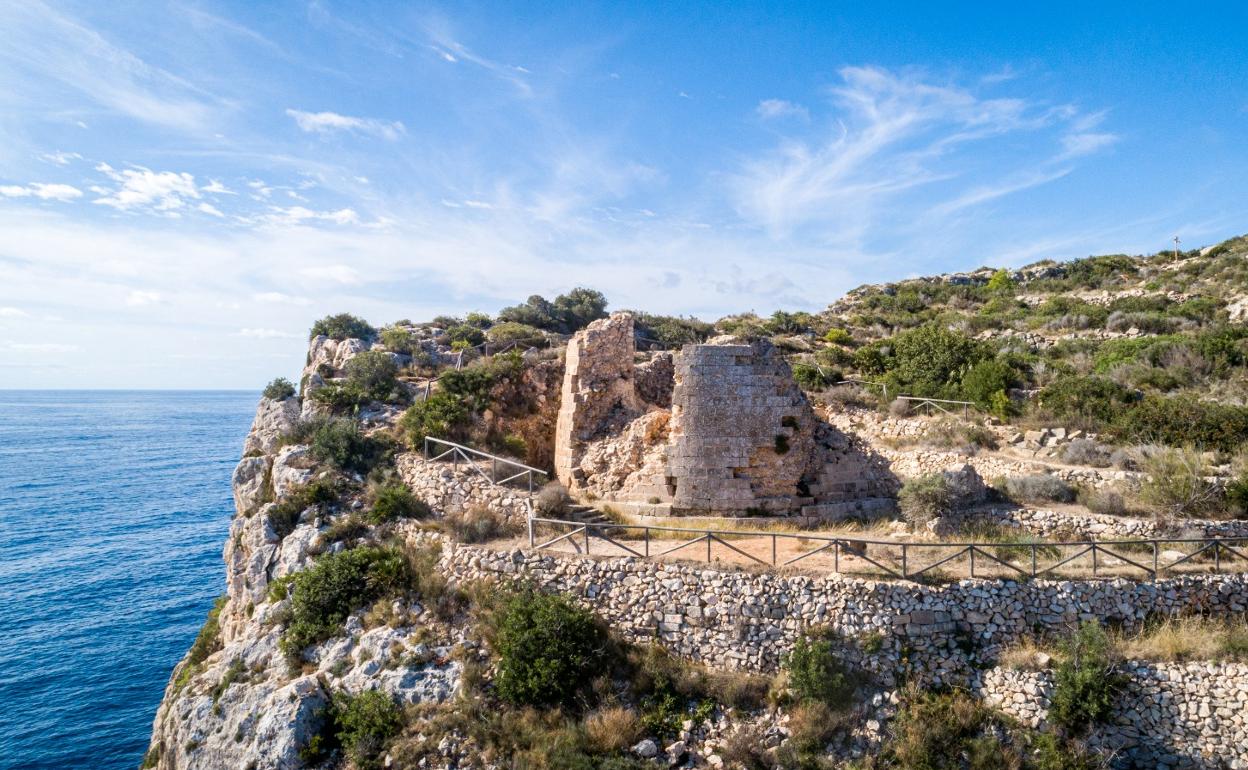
(343, 326)
(207, 641)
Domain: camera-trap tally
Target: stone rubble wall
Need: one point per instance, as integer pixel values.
(743, 619)
(1171, 714)
(1046, 523)
(451, 490)
(598, 394)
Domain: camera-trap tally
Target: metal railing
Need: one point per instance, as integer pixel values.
(935, 403)
(486, 352)
(906, 561)
(474, 458)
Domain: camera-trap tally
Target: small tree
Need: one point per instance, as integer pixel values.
(1085, 686)
(548, 649)
(817, 674)
(925, 498)
(364, 723)
(279, 389)
(343, 326)
(1176, 482)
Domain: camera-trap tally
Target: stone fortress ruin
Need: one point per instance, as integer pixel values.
(716, 429)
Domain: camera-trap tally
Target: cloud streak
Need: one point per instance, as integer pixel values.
(332, 122)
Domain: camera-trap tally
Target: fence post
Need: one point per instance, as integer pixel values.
(904, 573)
(585, 529)
(530, 521)
(494, 469)
(1217, 555)
(1033, 560)
(1154, 561)
(773, 549)
(708, 547)
(1093, 559)
(836, 555)
(647, 542)
(971, 550)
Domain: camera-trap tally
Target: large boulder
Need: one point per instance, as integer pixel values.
(273, 419)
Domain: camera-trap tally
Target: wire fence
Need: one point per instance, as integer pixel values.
(915, 561)
(501, 470)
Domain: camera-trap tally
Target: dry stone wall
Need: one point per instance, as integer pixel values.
(452, 490)
(742, 619)
(1183, 715)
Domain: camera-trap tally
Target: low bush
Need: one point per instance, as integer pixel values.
(817, 674)
(360, 725)
(396, 501)
(1085, 451)
(322, 596)
(671, 331)
(477, 525)
(341, 443)
(279, 389)
(399, 340)
(813, 378)
(1093, 401)
(611, 729)
(1176, 482)
(1086, 685)
(343, 326)
(510, 331)
(1237, 496)
(838, 336)
(441, 415)
(553, 501)
(1105, 502)
(1039, 487)
(548, 649)
(1178, 421)
(284, 515)
(207, 641)
(925, 498)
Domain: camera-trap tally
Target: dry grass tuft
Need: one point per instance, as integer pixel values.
(611, 729)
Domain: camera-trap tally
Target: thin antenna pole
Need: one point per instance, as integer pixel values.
(1176, 247)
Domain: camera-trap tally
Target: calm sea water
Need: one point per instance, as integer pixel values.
(114, 507)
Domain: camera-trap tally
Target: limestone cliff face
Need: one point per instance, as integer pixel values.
(242, 705)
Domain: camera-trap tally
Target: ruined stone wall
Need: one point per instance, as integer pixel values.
(742, 432)
(453, 490)
(598, 394)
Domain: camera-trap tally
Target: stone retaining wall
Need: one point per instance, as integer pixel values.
(1171, 715)
(449, 490)
(1048, 523)
(748, 620)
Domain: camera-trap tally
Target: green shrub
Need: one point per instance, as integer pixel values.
(468, 336)
(1098, 400)
(207, 641)
(1039, 487)
(1237, 496)
(838, 336)
(399, 340)
(396, 501)
(1001, 282)
(322, 596)
(373, 372)
(548, 649)
(1183, 420)
(817, 674)
(342, 444)
(568, 313)
(439, 416)
(363, 723)
(510, 331)
(930, 360)
(925, 498)
(813, 378)
(1176, 482)
(1086, 686)
(671, 331)
(284, 515)
(279, 389)
(343, 326)
(985, 380)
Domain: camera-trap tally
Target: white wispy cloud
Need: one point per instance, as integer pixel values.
(60, 158)
(53, 192)
(39, 347)
(215, 187)
(142, 188)
(209, 209)
(331, 122)
(780, 108)
(294, 215)
(332, 273)
(45, 41)
(891, 132)
(13, 312)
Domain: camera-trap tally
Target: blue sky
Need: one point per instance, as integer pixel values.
(184, 187)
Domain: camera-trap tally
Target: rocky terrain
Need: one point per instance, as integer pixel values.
(382, 608)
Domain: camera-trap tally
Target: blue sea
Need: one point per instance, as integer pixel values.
(114, 507)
